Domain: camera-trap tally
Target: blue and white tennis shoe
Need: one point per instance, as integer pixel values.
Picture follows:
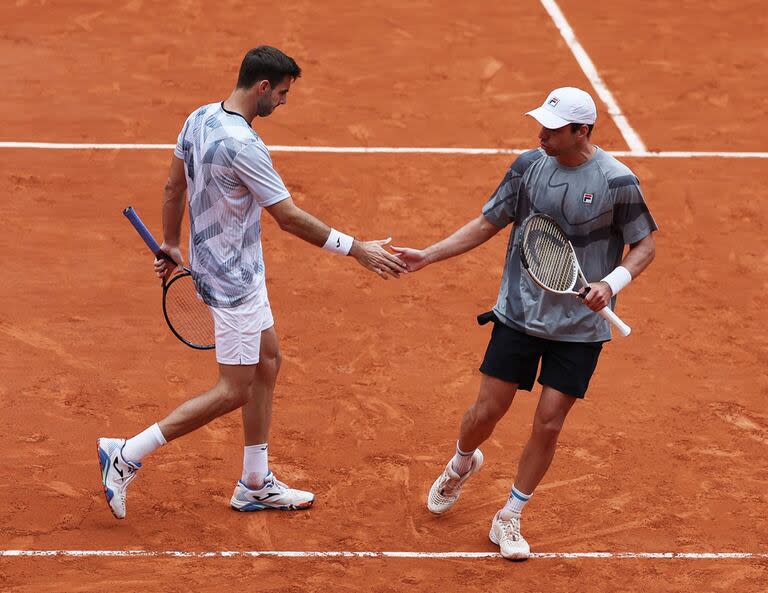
(272, 495)
(116, 473)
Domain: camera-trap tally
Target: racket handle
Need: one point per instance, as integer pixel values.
(144, 233)
(623, 328)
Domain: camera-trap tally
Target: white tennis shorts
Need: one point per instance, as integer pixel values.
(238, 329)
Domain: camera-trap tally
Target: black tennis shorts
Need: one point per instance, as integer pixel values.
(514, 357)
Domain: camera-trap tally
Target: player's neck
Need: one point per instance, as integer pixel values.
(239, 102)
(578, 156)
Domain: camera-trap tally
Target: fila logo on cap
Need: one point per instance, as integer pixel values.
(587, 199)
(566, 105)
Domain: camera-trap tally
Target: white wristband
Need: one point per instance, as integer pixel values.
(338, 242)
(618, 279)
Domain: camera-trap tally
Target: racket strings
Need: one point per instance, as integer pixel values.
(187, 314)
(550, 257)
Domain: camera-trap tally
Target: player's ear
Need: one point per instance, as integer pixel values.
(263, 86)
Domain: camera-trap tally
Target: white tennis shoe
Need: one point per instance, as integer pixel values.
(447, 488)
(272, 495)
(116, 473)
(505, 533)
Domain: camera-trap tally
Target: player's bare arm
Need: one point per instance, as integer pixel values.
(369, 254)
(474, 233)
(174, 202)
(639, 257)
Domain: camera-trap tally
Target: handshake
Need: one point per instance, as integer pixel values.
(372, 256)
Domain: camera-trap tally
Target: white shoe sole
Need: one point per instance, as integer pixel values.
(245, 506)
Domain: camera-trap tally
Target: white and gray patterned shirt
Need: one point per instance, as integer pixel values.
(600, 207)
(230, 178)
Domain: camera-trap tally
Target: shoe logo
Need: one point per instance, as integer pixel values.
(117, 469)
(266, 496)
(338, 242)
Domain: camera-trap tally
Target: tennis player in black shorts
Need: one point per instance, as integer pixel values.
(598, 202)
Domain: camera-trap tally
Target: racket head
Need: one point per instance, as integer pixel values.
(547, 254)
(187, 316)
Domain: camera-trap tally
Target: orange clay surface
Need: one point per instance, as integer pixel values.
(666, 454)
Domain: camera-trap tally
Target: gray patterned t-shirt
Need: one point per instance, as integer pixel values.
(230, 178)
(600, 207)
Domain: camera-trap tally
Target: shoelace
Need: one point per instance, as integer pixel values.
(446, 487)
(450, 484)
(511, 528)
(129, 474)
(275, 483)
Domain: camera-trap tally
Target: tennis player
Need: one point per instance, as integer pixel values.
(226, 170)
(598, 202)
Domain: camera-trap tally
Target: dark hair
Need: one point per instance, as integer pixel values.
(575, 128)
(266, 63)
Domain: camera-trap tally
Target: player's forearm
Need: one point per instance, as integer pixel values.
(305, 226)
(173, 213)
(474, 233)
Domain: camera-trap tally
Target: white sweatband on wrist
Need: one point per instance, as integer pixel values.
(338, 242)
(618, 279)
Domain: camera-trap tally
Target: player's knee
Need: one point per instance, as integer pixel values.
(270, 361)
(235, 397)
(488, 413)
(548, 428)
(277, 360)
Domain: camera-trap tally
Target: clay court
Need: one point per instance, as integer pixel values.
(660, 479)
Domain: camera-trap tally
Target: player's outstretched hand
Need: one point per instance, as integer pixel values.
(414, 259)
(163, 267)
(372, 256)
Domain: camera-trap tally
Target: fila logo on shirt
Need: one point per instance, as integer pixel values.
(587, 199)
(553, 102)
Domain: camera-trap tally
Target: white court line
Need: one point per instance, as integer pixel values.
(687, 154)
(384, 150)
(342, 554)
(273, 148)
(630, 136)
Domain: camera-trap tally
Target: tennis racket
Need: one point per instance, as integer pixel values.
(550, 259)
(187, 316)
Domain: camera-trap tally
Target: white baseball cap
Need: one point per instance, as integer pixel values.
(563, 106)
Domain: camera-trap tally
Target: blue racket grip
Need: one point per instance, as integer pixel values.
(143, 231)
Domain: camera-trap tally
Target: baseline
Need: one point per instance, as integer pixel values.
(371, 554)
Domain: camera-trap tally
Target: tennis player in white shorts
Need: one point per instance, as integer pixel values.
(227, 172)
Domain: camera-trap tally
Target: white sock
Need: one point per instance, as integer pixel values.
(143, 444)
(255, 465)
(462, 460)
(516, 502)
